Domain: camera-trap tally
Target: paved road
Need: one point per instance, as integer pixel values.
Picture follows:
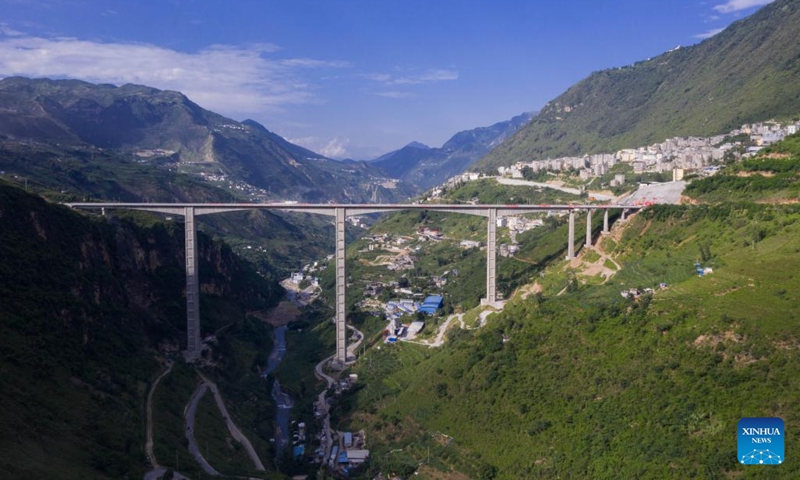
(574, 191)
(669, 192)
(189, 414)
(148, 445)
(353, 347)
(232, 428)
(483, 315)
(323, 405)
(439, 341)
(157, 473)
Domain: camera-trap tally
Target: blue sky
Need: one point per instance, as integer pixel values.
(352, 78)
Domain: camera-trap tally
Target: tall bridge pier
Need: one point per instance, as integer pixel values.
(192, 286)
(340, 212)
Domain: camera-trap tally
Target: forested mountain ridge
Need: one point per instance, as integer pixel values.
(164, 128)
(87, 305)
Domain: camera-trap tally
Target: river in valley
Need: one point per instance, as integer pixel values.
(283, 401)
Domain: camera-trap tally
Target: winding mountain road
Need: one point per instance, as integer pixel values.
(148, 444)
(232, 428)
(353, 347)
(439, 340)
(323, 406)
(189, 414)
(158, 471)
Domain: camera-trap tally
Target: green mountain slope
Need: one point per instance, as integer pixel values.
(84, 303)
(158, 127)
(749, 72)
(82, 173)
(573, 380)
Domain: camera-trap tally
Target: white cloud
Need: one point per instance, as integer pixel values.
(8, 31)
(708, 34)
(735, 5)
(395, 94)
(224, 78)
(336, 148)
(428, 76)
(340, 148)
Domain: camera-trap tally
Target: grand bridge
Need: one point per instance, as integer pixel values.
(340, 212)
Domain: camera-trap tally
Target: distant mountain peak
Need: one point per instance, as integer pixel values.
(135, 120)
(425, 167)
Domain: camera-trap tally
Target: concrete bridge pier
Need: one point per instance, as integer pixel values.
(192, 287)
(605, 222)
(624, 214)
(491, 257)
(588, 229)
(341, 284)
(571, 241)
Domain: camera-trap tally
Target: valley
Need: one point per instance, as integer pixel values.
(605, 287)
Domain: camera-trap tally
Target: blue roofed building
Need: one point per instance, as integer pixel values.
(298, 451)
(431, 304)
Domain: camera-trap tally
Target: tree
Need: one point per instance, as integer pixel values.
(487, 472)
(572, 282)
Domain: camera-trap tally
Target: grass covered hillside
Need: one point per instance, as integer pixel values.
(770, 177)
(574, 380)
(591, 385)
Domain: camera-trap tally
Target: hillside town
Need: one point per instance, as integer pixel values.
(678, 155)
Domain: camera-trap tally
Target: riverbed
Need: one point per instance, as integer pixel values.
(283, 401)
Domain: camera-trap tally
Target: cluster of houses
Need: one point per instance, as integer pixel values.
(395, 310)
(507, 250)
(298, 277)
(298, 439)
(347, 450)
(349, 453)
(154, 152)
(426, 233)
(517, 224)
(635, 293)
(679, 153)
(307, 272)
(243, 187)
(402, 262)
(358, 221)
(701, 270)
